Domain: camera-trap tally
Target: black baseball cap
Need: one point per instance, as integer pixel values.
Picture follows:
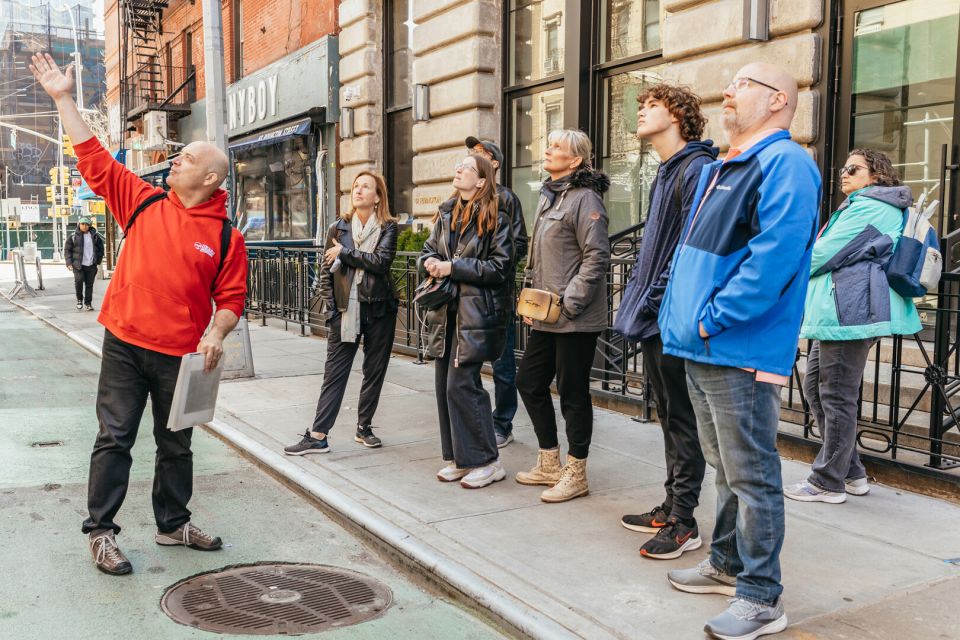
(491, 148)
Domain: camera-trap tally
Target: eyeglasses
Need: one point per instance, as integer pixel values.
(739, 84)
(464, 165)
(851, 169)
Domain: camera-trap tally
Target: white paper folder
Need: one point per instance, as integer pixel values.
(195, 398)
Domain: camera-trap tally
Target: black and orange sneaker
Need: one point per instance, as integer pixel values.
(672, 540)
(649, 522)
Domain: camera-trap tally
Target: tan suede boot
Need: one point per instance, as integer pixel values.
(572, 483)
(547, 470)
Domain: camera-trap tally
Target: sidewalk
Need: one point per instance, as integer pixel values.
(569, 570)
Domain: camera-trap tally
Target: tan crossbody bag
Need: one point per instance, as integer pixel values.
(538, 304)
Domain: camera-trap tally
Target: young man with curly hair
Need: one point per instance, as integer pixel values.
(669, 118)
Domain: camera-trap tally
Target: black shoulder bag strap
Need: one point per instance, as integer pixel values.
(157, 197)
(678, 189)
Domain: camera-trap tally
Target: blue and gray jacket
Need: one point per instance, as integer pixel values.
(743, 261)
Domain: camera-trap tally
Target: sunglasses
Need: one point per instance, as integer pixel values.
(464, 165)
(851, 170)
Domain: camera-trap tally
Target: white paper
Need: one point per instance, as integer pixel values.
(195, 398)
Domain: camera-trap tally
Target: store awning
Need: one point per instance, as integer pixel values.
(271, 136)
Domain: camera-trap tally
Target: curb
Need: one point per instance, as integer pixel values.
(457, 576)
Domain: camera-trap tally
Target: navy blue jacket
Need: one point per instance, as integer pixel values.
(637, 316)
(743, 261)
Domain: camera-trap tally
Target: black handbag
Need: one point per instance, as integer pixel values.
(433, 293)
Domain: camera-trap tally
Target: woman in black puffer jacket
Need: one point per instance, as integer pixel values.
(472, 244)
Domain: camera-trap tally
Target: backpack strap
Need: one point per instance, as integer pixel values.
(225, 234)
(157, 197)
(678, 189)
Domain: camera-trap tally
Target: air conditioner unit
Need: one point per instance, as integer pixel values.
(154, 130)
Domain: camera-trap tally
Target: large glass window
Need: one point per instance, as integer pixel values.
(630, 163)
(274, 191)
(631, 27)
(532, 118)
(536, 38)
(398, 141)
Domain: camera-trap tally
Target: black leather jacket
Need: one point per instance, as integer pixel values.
(510, 203)
(376, 286)
(73, 248)
(480, 267)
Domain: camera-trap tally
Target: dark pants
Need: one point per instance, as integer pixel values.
(83, 278)
(377, 324)
(505, 383)
(466, 420)
(832, 388)
(681, 444)
(567, 357)
(128, 374)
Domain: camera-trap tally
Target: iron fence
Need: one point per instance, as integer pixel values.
(908, 408)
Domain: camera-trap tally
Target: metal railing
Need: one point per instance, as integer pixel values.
(155, 86)
(909, 409)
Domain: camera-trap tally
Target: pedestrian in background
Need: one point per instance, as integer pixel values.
(359, 302)
(182, 256)
(505, 368)
(732, 309)
(471, 244)
(849, 306)
(569, 256)
(670, 119)
(83, 252)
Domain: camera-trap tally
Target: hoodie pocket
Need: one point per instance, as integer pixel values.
(153, 317)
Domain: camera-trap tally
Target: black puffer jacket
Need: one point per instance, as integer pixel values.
(73, 248)
(480, 267)
(376, 286)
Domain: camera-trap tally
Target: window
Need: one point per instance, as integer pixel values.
(274, 191)
(532, 118)
(631, 27)
(398, 141)
(536, 38)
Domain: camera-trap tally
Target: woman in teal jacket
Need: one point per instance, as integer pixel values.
(849, 306)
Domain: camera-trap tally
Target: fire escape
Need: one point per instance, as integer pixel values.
(150, 83)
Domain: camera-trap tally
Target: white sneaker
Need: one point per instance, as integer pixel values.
(482, 476)
(806, 492)
(858, 487)
(451, 473)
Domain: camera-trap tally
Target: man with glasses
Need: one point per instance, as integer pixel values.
(732, 309)
(505, 368)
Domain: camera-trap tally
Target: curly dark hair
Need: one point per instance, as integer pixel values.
(683, 104)
(883, 172)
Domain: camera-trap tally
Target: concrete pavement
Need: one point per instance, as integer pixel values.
(850, 571)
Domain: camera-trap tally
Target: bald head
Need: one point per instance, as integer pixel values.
(760, 96)
(774, 76)
(197, 172)
(210, 156)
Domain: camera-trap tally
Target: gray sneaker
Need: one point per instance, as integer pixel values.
(503, 441)
(703, 578)
(858, 487)
(806, 492)
(745, 620)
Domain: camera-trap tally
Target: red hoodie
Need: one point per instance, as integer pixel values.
(160, 294)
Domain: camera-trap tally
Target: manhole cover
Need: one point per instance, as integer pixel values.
(276, 598)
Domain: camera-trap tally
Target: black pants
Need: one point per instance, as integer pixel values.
(128, 374)
(568, 357)
(681, 444)
(83, 278)
(466, 418)
(377, 324)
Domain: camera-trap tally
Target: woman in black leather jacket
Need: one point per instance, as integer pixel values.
(359, 301)
(471, 243)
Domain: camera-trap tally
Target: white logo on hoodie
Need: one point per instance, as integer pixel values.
(202, 248)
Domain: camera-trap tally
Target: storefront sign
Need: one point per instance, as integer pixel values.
(254, 103)
(29, 213)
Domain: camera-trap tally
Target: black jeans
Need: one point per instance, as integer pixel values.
(466, 418)
(377, 324)
(681, 444)
(83, 278)
(832, 388)
(128, 374)
(567, 357)
(505, 383)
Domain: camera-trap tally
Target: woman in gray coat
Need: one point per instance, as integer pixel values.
(569, 255)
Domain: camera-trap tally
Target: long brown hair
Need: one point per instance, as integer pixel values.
(485, 201)
(381, 209)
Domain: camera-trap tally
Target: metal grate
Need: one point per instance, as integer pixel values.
(276, 598)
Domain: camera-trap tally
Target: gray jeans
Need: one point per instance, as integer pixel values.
(832, 388)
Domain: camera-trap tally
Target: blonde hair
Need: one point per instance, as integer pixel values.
(381, 209)
(577, 143)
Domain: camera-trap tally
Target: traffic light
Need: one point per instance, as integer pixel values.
(68, 147)
(64, 176)
(50, 195)
(54, 175)
(69, 193)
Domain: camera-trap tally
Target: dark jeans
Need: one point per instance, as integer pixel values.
(377, 324)
(832, 388)
(466, 420)
(737, 418)
(505, 383)
(681, 444)
(567, 357)
(83, 278)
(128, 374)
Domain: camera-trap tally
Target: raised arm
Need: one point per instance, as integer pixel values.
(59, 85)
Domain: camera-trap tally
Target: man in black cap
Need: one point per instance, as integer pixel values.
(83, 252)
(505, 369)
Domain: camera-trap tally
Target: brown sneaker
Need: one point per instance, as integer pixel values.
(191, 536)
(107, 555)
(546, 472)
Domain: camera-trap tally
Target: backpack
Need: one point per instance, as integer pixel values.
(916, 264)
(224, 233)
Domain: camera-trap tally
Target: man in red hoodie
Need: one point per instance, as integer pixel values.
(155, 310)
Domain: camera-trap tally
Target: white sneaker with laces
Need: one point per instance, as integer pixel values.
(858, 487)
(806, 492)
(451, 473)
(483, 476)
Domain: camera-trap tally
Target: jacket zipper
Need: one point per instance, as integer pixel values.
(836, 302)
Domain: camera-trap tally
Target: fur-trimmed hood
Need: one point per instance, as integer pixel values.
(583, 178)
